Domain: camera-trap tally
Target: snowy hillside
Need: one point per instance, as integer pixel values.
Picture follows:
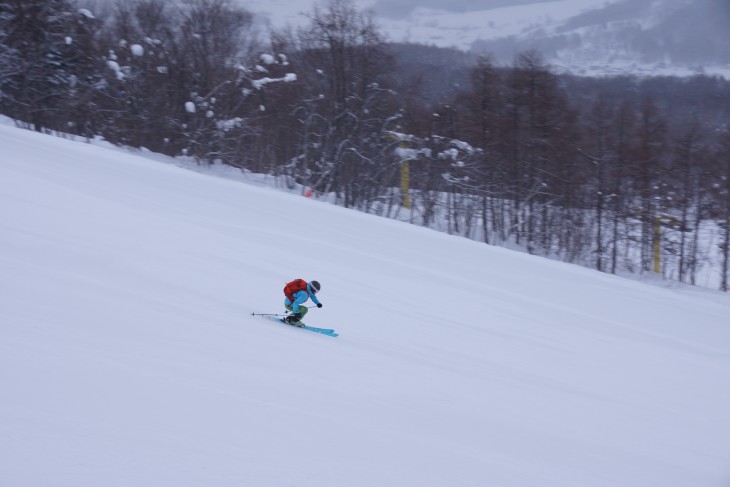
(445, 24)
(438, 22)
(584, 37)
(128, 356)
(643, 37)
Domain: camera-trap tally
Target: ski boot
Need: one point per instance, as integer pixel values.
(292, 320)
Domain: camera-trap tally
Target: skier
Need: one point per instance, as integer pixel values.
(297, 292)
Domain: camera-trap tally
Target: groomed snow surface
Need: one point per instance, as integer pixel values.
(128, 356)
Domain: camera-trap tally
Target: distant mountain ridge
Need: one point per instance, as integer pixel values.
(689, 35)
(583, 37)
(403, 7)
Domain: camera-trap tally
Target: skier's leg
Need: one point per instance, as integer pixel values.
(302, 311)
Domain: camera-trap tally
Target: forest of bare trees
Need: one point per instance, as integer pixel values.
(620, 174)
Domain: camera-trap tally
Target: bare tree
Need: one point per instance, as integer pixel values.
(720, 188)
(347, 105)
(538, 130)
(687, 197)
(645, 175)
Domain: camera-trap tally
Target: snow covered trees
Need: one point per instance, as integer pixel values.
(345, 104)
(42, 63)
(617, 173)
(177, 75)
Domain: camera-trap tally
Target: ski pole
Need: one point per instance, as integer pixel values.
(266, 314)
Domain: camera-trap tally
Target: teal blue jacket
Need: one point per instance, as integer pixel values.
(301, 297)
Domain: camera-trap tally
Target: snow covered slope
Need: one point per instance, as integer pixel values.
(128, 356)
(641, 37)
(584, 37)
(460, 24)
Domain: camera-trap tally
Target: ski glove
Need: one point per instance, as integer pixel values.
(319, 305)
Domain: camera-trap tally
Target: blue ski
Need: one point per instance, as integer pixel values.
(322, 331)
